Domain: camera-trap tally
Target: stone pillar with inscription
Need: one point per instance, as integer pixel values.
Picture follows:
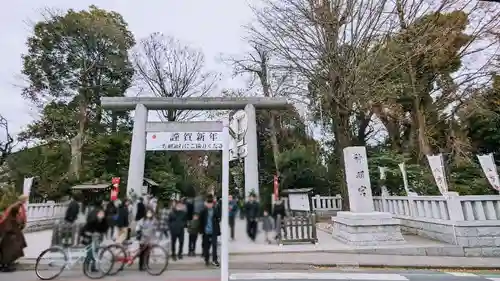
(362, 225)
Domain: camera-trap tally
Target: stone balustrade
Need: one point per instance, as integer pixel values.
(452, 208)
(469, 221)
(42, 216)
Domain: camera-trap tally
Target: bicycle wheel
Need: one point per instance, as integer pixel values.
(57, 257)
(154, 265)
(100, 267)
(120, 258)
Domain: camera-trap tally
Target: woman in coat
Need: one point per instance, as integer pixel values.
(12, 241)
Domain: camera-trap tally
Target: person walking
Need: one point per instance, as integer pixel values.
(97, 223)
(72, 211)
(111, 212)
(193, 230)
(233, 209)
(141, 210)
(278, 212)
(177, 223)
(252, 209)
(122, 223)
(210, 230)
(145, 230)
(267, 225)
(163, 217)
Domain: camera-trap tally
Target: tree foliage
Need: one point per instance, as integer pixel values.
(73, 60)
(405, 79)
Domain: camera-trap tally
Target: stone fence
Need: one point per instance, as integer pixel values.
(44, 215)
(469, 221)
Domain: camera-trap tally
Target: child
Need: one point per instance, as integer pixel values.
(194, 229)
(267, 225)
(146, 228)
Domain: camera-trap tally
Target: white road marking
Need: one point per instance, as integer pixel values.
(316, 276)
(494, 279)
(462, 274)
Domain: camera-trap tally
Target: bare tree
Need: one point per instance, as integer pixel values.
(272, 80)
(328, 43)
(166, 68)
(7, 141)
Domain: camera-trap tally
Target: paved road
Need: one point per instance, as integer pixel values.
(317, 274)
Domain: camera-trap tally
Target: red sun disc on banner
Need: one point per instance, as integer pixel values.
(154, 137)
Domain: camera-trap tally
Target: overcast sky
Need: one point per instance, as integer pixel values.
(213, 26)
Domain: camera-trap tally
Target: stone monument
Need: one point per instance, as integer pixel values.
(362, 226)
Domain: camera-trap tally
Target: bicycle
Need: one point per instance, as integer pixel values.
(126, 257)
(68, 261)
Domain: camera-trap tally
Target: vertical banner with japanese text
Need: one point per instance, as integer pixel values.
(487, 162)
(28, 183)
(402, 168)
(436, 164)
(383, 188)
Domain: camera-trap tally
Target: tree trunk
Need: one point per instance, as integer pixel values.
(77, 142)
(423, 144)
(343, 140)
(272, 122)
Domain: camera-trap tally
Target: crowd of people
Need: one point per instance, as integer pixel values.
(119, 219)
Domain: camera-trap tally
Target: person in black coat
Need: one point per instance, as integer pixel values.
(72, 211)
(141, 210)
(278, 211)
(122, 223)
(210, 218)
(96, 224)
(177, 221)
(111, 212)
(189, 209)
(252, 211)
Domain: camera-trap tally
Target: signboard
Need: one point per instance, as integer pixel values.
(238, 153)
(299, 202)
(179, 141)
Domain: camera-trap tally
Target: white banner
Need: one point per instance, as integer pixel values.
(489, 167)
(402, 167)
(382, 172)
(383, 188)
(184, 141)
(437, 168)
(28, 183)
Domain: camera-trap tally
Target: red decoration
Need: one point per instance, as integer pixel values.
(154, 136)
(115, 189)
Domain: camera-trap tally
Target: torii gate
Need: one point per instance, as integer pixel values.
(142, 127)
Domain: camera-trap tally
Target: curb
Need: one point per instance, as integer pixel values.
(288, 266)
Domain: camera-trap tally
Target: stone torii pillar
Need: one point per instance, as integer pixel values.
(137, 151)
(252, 158)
